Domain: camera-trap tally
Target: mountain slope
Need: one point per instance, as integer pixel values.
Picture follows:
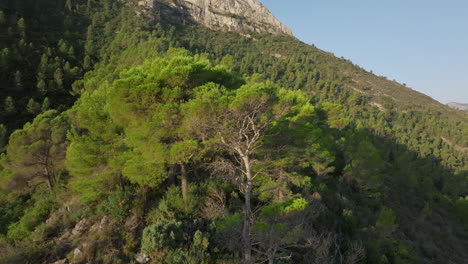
(351, 166)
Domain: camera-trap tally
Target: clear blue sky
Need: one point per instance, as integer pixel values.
(423, 43)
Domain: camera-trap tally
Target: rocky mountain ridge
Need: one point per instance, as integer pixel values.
(458, 106)
(225, 15)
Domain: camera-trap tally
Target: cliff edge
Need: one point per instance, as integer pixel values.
(225, 15)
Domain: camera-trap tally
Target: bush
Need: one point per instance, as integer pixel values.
(164, 234)
(117, 205)
(172, 206)
(31, 219)
(461, 209)
(386, 221)
(197, 254)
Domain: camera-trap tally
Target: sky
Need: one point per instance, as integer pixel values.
(422, 43)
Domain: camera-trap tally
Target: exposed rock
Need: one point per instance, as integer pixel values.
(104, 222)
(53, 218)
(458, 106)
(132, 223)
(316, 196)
(62, 261)
(142, 258)
(77, 255)
(81, 227)
(65, 236)
(226, 15)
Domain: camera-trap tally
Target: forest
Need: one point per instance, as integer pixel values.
(124, 141)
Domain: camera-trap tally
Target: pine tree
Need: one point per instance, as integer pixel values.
(45, 105)
(87, 64)
(41, 87)
(18, 80)
(71, 52)
(35, 154)
(68, 5)
(3, 137)
(33, 107)
(9, 105)
(2, 18)
(21, 25)
(63, 47)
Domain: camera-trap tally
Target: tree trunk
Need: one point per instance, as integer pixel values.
(48, 179)
(271, 259)
(172, 175)
(183, 182)
(280, 195)
(248, 212)
(246, 231)
(49, 184)
(280, 189)
(271, 255)
(121, 183)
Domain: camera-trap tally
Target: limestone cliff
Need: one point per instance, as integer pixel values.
(226, 15)
(458, 106)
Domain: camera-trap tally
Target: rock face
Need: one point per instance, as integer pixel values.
(458, 106)
(226, 15)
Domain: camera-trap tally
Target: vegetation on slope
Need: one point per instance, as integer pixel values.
(281, 153)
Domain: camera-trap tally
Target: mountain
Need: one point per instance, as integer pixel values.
(458, 106)
(227, 15)
(157, 138)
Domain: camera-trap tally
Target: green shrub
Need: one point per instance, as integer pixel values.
(117, 205)
(164, 234)
(461, 208)
(11, 210)
(31, 219)
(197, 254)
(386, 221)
(172, 206)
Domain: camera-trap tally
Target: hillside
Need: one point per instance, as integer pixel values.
(192, 142)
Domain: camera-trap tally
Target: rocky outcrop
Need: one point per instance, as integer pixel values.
(226, 15)
(458, 106)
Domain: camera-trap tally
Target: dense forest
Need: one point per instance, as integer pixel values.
(125, 141)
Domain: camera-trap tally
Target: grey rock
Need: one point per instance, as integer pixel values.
(62, 261)
(100, 225)
(225, 15)
(142, 258)
(458, 106)
(132, 223)
(104, 222)
(81, 227)
(77, 255)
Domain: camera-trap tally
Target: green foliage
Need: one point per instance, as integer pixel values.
(36, 153)
(33, 107)
(386, 221)
(230, 222)
(350, 142)
(336, 117)
(165, 233)
(3, 137)
(366, 165)
(31, 219)
(117, 205)
(12, 209)
(9, 105)
(173, 206)
(461, 208)
(196, 254)
(40, 56)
